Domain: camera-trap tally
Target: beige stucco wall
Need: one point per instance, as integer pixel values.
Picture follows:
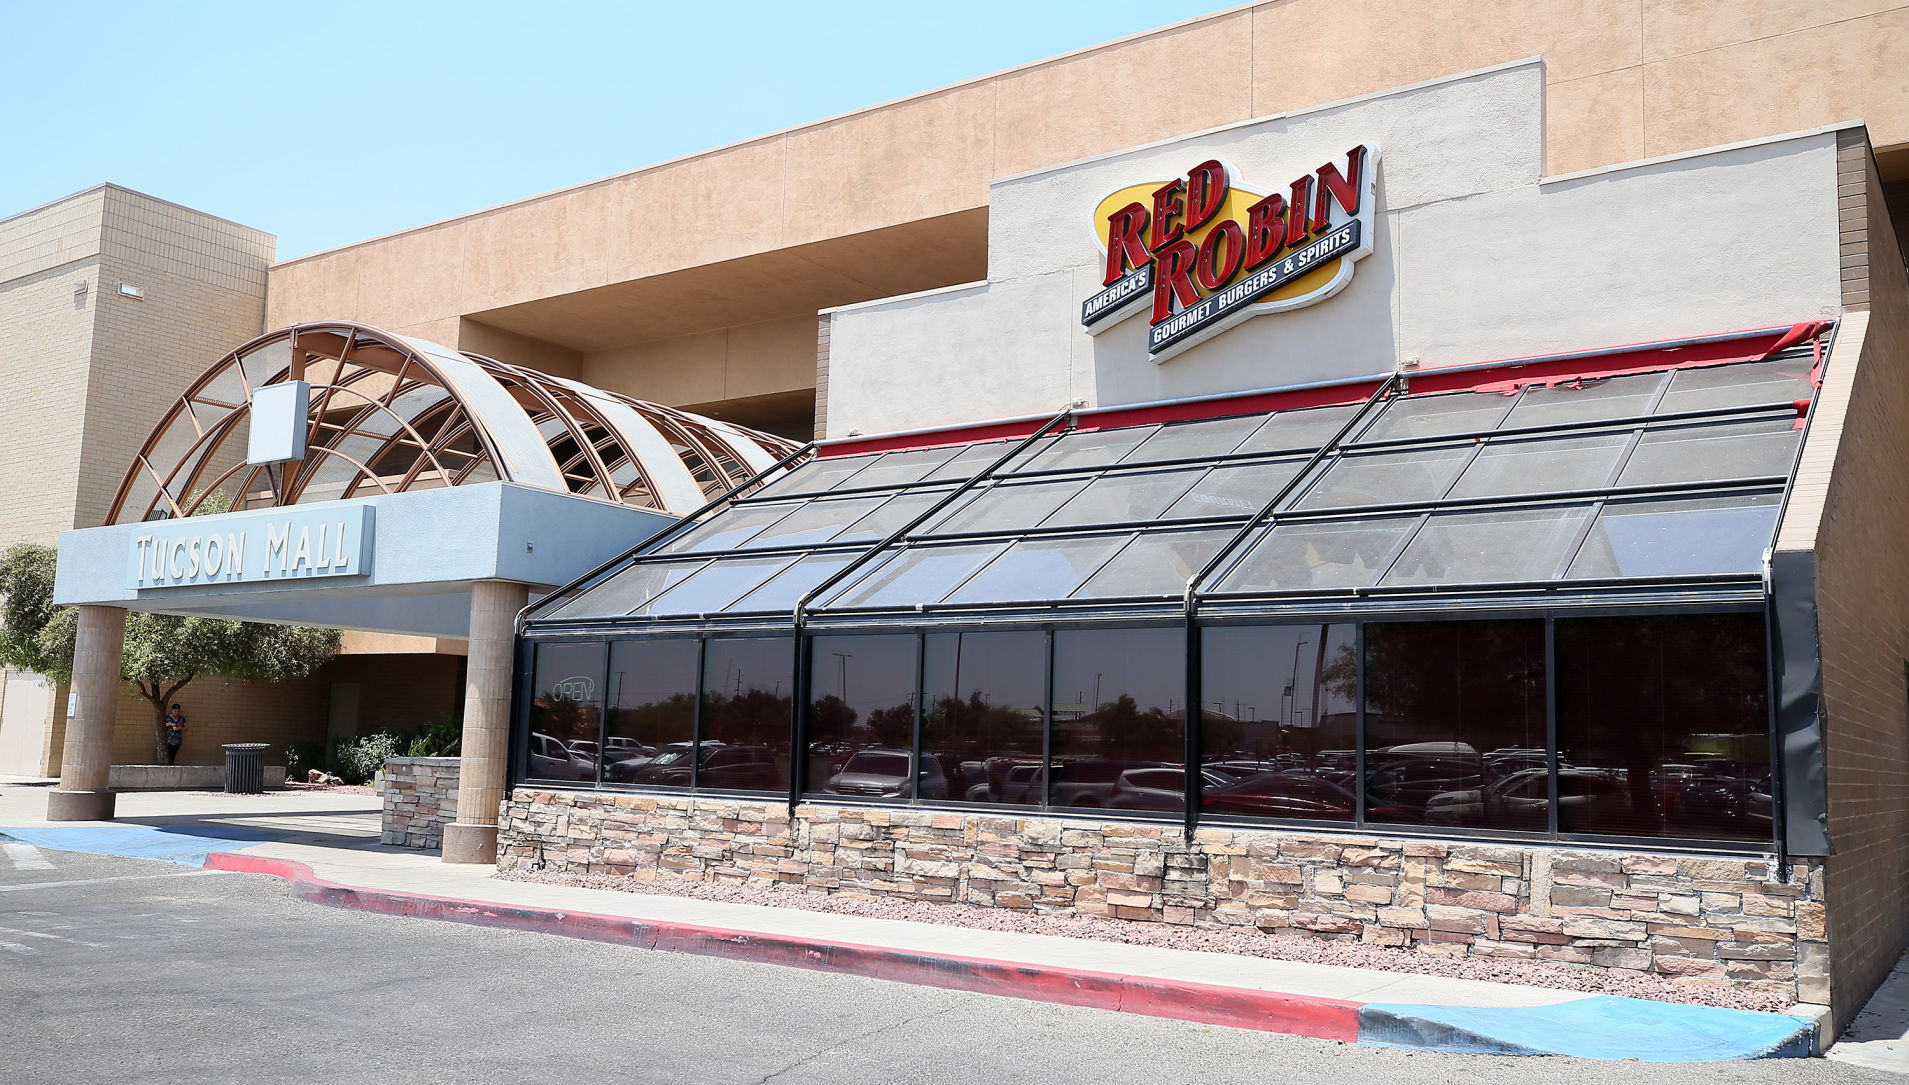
(1622, 82)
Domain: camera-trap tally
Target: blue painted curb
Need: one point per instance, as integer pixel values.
(165, 843)
(1602, 1027)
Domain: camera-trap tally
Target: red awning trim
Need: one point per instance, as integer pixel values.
(1508, 378)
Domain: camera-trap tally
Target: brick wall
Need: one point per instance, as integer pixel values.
(1851, 505)
(398, 692)
(218, 712)
(822, 376)
(1693, 920)
(420, 798)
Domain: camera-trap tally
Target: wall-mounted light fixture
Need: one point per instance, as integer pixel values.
(132, 291)
(79, 289)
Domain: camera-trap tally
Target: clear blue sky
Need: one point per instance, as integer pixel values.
(327, 123)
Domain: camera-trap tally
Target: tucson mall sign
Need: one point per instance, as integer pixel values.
(1203, 252)
(252, 547)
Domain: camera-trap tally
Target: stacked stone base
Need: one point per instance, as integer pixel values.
(1709, 920)
(420, 798)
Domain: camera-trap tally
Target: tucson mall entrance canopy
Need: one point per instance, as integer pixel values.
(333, 474)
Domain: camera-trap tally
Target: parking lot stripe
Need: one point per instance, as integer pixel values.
(96, 881)
(26, 857)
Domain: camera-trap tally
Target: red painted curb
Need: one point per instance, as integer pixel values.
(1202, 1003)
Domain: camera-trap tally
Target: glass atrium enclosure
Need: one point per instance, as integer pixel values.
(1535, 609)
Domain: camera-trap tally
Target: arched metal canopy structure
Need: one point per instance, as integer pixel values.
(391, 414)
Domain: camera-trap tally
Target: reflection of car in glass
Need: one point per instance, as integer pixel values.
(1411, 784)
(750, 768)
(616, 748)
(552, 760)
(669, 766)
(1088, 782)
(1159, 788)
(884, 773)
(1281, 795)
(584, 748)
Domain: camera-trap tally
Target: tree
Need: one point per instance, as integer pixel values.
(163, 653)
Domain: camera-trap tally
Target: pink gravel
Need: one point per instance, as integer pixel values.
(1248, 942)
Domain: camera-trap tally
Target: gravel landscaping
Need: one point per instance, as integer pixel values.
(1246, 942)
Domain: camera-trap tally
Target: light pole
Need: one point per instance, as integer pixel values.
(1289, 701)
(841, 682)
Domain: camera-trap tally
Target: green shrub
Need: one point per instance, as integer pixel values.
(439, 739)
(357, 760)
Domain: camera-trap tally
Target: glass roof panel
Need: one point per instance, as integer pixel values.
(1038, 569)
(1235, 490)
(629, 590)
(816, 476)
(1490, 546)
(717, 585)
(901, 468)
(968, 462)
(816, 522)
(1309, 428)
(893, 515)
(1386, 478)
(1188, 440)
(1509, 467)
(1779, 380)
(917, 574)
(1586, 401)
(782, 591)
(1688, 537)
(1158, 563)
(1092, 449)
(1125, 498)
(1410, 417)
(1713, 451)
(1008, 506)
(1319, 554)
(729, 528)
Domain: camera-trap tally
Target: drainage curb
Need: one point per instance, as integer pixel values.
(1595, 1027)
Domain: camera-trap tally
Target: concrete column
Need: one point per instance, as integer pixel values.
(472, 838)
(87, 759)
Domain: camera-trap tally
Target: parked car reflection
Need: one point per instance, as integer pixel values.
(737, 768)
(552, 760)
(1281, 794)
(884, 773)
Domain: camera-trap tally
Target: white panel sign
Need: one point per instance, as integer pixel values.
(252, 547)
(280, 414)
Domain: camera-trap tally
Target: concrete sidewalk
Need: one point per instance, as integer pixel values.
(325, 845)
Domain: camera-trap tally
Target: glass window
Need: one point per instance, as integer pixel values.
(1509, 467)
(1158, 563)
(1713, 451)
(970, 461)
(1040, 569)
(1490, 546)
(983, 725)
(1307, 429)
(1410, 417)
(1279, 721)
(629, 590)
(719, 584)
(1388, 478)
(1125, 498)
(816, 522)
(921, 574)
(902, 468)
(1689, 537)
(1007, 507)
(861, 725)
(746, 700)
(728, 528)
(1585, 401)
(1319, 554)
(1745, 384)
(1087, 449)
(652, 711)
(1455, 725)
(566, 712)
(1187, 440)
(1663, 727)
(815, 476)
(1119, 705)
(783, 590)
(1236, 490)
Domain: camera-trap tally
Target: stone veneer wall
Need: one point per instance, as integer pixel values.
(420, 798)
(1704, 920)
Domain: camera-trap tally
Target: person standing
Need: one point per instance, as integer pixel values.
(175, 734)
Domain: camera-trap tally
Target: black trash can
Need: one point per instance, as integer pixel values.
(245, 768)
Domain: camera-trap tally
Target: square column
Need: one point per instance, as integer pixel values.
(495, 604)
(86, 762)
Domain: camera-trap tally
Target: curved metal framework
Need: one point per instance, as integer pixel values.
(391, 414)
